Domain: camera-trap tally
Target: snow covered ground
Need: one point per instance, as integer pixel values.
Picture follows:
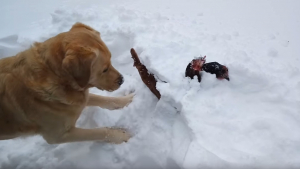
(252, 121)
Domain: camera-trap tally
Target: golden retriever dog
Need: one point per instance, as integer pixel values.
(44, 89)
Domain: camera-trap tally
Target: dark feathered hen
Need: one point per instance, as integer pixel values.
(194, 68)
(198, 64)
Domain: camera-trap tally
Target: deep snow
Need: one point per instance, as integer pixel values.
(252, 121)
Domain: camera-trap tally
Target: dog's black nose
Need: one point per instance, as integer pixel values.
(121, 80)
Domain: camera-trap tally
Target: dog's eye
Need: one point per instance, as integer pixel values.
(105, 70)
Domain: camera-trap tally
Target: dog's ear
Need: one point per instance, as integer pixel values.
(81, 25)
(78, 64)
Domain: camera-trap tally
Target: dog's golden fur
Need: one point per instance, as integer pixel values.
(44, 89)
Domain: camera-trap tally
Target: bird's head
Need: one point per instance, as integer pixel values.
(222, 73)
(216, 68)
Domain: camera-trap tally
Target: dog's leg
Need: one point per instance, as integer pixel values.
(110, 103)
(111, 135)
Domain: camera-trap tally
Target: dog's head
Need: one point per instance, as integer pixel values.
(87, 59)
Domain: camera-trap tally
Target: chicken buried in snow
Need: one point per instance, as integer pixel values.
(192, 69)
(198, 64)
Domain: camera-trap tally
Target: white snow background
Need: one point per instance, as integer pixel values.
(252, 121)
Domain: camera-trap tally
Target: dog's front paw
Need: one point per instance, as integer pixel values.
(126, 100)
(123, 101)
(117, 135)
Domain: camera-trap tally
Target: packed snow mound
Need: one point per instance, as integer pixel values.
(251, 121)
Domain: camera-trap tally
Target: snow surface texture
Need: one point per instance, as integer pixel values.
(252, 121)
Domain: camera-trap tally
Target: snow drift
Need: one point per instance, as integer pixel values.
(253, 121)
